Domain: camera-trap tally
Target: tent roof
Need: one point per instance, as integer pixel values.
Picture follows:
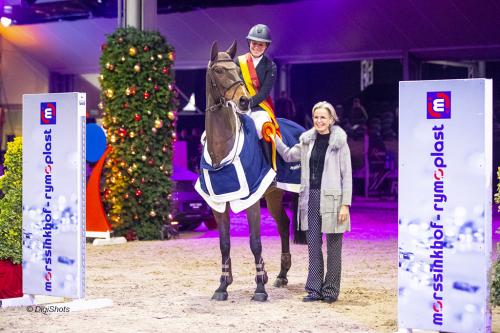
(303, 31)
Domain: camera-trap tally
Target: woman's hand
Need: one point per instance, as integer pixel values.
(344, 213)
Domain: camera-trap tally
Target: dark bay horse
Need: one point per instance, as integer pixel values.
(224, 90)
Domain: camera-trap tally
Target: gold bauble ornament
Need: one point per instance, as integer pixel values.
(137, 68)
(132, 52)
(160, 56)
(171, 115)
(131, 134)
(114, 120)
(101, 77)
(152, 213)
(100, 106)
(134, 166)
(113, 138)
(127, 91)
(144, 157)
(171, 56)
(122, 59)
(109, 93)
(158, 123)
(130, 170)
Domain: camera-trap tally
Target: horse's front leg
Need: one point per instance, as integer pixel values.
(274, 200)
(226, 277)
(253, 216)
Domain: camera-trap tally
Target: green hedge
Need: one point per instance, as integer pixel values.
(11, 218)
(495, 284)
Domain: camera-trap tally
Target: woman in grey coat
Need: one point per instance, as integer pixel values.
(324, 199)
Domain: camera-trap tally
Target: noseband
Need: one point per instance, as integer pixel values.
(217, 94)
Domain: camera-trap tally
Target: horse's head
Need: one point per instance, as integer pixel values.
(225, 93)
(223, 80)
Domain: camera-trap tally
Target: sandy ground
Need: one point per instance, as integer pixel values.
(165, 286)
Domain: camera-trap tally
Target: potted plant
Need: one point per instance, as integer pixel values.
(11, 222)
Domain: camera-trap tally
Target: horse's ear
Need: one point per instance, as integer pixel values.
(232, 50)
(215, 51)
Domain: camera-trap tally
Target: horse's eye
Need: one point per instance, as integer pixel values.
(219, 70)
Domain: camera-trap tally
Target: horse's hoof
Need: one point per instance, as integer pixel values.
(220, 296)
(281, 282)
(259, 297)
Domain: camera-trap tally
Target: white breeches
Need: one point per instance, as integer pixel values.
(259, 118)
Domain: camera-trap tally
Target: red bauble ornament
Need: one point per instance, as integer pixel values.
(104, 46)
(138, 193)
(133, 90)
(146, 95)
(157, 87)
(125, 105)
(146, 48)
(165, 70)
(122, 132)
(137, 117)
(151, 162)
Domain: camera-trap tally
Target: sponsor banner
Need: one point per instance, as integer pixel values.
(445, 198)
(54, 194)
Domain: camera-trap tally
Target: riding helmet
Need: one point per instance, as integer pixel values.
(260, 33)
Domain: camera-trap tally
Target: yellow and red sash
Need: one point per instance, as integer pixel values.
(252, 83)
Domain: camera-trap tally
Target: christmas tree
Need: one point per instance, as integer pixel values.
(11, 203)
(139, 105)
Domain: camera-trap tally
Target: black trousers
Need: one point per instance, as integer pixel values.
(318, 284)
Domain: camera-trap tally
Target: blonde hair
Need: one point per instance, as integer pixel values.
(327, 106)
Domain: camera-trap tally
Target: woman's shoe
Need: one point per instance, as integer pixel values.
(310, 298)
(329, 299)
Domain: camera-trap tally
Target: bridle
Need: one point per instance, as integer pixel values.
(218, 95)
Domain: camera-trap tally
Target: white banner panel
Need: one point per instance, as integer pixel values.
(445, 198)
(54, 194)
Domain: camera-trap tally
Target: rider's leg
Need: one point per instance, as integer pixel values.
(260, 117)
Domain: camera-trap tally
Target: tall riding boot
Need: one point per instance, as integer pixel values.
(267, 150)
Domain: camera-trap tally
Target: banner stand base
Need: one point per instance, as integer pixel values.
(85, 304)
(109, 241)
(26, 300)
(42, 300)
(98, 234)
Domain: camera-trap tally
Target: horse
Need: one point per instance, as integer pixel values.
(226, 95)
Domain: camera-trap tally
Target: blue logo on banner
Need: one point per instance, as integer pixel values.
(439, 105)
(48, 114)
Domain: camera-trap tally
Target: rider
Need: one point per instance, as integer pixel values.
(259, 74)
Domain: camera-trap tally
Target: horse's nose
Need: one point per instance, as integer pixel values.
(243, 103)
